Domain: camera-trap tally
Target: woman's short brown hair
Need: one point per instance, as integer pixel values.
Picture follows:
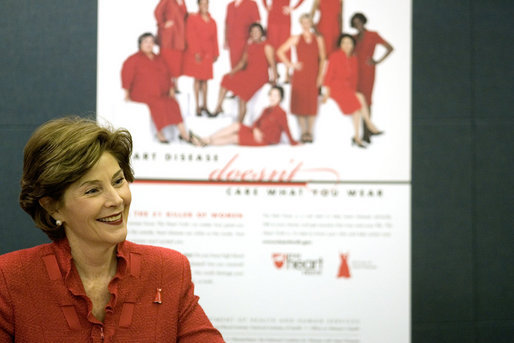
(58, 154)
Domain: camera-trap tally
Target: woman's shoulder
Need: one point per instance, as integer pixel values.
(12, 260)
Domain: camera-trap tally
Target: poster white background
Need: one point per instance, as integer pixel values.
(267, 258)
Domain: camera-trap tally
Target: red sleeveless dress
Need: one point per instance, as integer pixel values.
(245, 83)
(304, 92)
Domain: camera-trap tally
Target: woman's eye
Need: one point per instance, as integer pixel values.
(92, 191)
(119, 181)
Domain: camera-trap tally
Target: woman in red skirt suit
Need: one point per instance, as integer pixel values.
(341, 85)
(202, 51)
(266, 130)
(307, 76)
(251, 73)
(330, 21)
(146, 78)
(366, 41)
(240, 15)
(171, 34)
(279, 23)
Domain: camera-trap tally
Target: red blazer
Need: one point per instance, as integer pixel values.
(272, 122)
(42, 298)
(174, 36)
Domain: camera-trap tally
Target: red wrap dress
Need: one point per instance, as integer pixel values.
(202, 39)
(172, 40)
(364, 50)
(279, 24)
(246, 82)
(341, 78)
(149, 81)
(329, 25)
(272, 122)
(304, 91)
(237, 22)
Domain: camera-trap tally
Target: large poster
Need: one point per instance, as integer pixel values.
(287, 243)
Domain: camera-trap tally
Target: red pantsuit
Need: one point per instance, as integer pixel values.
(364, 50)
(304, 91)
(329, 25)
(172, 40)
(202, 41)
(279, 23)
(246, 82)
(272, 122)
(341, 78)
(237, 25)
(149, 81)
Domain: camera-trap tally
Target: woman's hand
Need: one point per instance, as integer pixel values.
(172, 92)
(127, 95)
(286, 10)
(168, 24)
(257, 135)
(297, 65)
(198, 58)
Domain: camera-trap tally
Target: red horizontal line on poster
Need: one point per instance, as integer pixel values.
(221, 183)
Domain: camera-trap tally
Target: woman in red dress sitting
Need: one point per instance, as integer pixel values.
(266, 130)
(341, 85)
(251, 73)
(145, 78)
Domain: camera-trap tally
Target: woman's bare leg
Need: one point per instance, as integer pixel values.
(203, 89)
(242, 110)
(232, 129)
(196, 88)
(221, 97)
(364, 113)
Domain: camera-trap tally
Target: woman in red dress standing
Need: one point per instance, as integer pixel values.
(251, 73)
(279, 23)
(202, 51)
(341, 85)
(330, 22)
(307, 76)
(171, 34)
(366, 41)
(266, 130)
(240, 15)
(146, 78)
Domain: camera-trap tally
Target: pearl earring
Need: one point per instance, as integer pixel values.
(58, 222)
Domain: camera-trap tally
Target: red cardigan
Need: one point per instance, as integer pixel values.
(42, 298)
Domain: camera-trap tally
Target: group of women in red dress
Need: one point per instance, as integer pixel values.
(189, 46)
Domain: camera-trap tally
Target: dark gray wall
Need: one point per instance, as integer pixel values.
(462, 225)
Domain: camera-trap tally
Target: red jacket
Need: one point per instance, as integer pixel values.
(42, 298)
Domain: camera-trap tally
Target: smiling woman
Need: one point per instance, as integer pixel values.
(90, 283)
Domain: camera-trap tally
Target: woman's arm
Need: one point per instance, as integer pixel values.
(322, 60)
(241, 64)
(270, 57)
(389, 49)
(281, 52)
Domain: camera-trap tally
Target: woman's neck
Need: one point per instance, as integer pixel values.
(94, 263)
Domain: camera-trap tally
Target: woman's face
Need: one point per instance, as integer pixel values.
(274, 97)
(255, 34)
(347, 45)
(306, 23)
(358, 24)
(94, 209)
(146, 45)
(203, 6)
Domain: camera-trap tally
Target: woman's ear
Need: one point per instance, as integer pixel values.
(50, 206)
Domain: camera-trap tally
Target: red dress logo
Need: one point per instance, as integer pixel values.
(344, 270)
(279, 260)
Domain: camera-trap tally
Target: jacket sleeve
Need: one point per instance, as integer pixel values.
(193, 45)
(6, 312)
(215, 48)
(285, 127)
(193, 326)
(127, 73)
